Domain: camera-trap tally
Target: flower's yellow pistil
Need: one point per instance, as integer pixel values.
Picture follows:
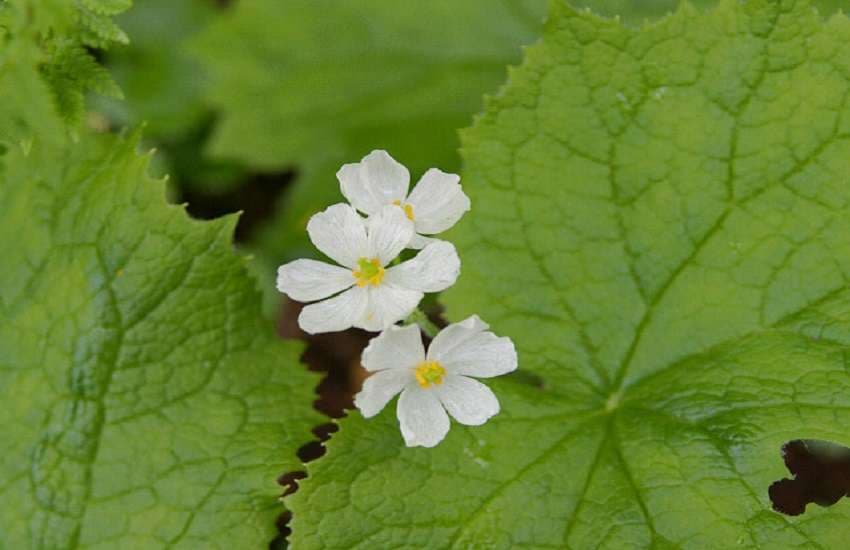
(408, 209)
(369, 272)
(429, 373)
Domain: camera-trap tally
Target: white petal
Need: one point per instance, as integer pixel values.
(421, 417)
(455, 334)
(469, 401)
(438, 202)
(395, 348)
(356, 191)
(434, 269)
(374, 182)
(418, 242)
(389, 232)
(340, 233)
(379, 388)
(309, 280)
(387, 305)
(335, 314)
(469, 348)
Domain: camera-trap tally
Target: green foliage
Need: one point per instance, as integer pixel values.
(43, 44)
(147, 403)
(71, 73)
(311, 79)
(163, 89)
(161, 83)
(635, 12)
(26, 104)
(313, 84)
(660, 222)
(94, 20)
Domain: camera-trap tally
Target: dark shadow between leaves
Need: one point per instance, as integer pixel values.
(821, 475)
(337, 355)
(255, 197)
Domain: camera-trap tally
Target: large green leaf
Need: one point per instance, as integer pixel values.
(146, 403)
(660, 222)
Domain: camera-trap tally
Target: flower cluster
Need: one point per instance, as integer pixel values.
(371, 288)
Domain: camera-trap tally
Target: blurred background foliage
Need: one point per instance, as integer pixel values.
(47, 64)
(321, 83)
(254, 104)
(164, 89)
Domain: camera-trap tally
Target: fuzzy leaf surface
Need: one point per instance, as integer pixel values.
(147, 404)
(660, 221)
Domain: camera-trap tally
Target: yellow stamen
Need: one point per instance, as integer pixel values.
(408, 209)
(429, 373)
(368, 272)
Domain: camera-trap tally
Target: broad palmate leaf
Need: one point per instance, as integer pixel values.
(146, 404)
(660, 221)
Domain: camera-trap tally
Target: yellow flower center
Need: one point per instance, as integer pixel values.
(368, 272)
(429, 373)
(408, 209)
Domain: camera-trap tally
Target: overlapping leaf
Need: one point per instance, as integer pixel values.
(147, 404)
(660, 222)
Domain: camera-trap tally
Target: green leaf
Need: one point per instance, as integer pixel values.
(26, 104)
(163, 89)
(45, 44)
(635, 12)
(146, 403)
(161, 84)
(107, 7)
(98, 30)
(314, 84)
(71, 73)
(660, 222)
(309, 80)
(638, 11)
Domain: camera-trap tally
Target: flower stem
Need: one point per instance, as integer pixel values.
(418, 316)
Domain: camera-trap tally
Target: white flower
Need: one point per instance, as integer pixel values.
(433, 383)
(436, 203)
(374, 296)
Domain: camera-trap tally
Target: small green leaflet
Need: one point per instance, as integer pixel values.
(146, 403)
(47, 66)
(660, 222)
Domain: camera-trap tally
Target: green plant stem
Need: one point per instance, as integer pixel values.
(418, 316)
